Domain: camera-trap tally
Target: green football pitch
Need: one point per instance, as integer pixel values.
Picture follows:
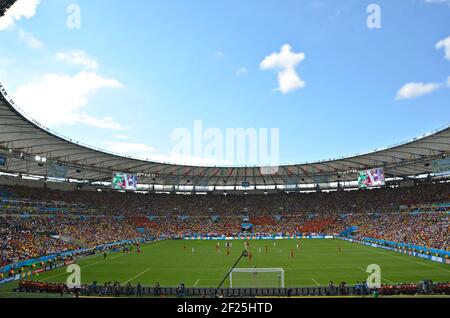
(200, 264)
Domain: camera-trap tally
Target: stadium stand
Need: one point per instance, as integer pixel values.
(56, 199)
(30, 218)
(49, 219)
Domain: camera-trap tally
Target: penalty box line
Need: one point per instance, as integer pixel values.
(84, 266)
(136, 276)
(211, 279)
(385, 279)
(103, 261)
(315, 281)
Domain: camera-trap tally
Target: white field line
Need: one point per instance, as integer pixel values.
(389, 281)
(315, 281)
(134, 277)
(99, 262)
(85, 266)
(292, 280)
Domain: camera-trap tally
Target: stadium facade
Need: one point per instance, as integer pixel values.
(31, 150)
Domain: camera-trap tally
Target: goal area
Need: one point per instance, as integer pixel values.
(257, 278)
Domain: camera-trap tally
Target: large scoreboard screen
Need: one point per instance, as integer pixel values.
(371, 178)
(123, 181)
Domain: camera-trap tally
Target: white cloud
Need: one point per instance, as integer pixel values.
(285, 62)
(104, 123)
(6, 61)
(29, 40)
(122, 137)
(143, 151)
(21, 9)
(444, 44)
(58, 99)
(6, 69)
(132, 149)
(219, 54)
(413, 90)
(78, 57)
(241, 71)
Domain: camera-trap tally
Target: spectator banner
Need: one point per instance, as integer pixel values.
(7, 280)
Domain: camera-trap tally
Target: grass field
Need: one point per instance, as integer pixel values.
(315, 263)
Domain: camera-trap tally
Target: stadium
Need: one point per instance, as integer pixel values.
(77, 220)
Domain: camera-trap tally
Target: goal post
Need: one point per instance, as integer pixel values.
(257, 278)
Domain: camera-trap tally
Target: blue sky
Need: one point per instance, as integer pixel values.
(132, 74)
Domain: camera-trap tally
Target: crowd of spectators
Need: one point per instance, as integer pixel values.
(30, 218)
(366, 201)
(33, 236)
(117, 289)
(43, 287)
(427, 229)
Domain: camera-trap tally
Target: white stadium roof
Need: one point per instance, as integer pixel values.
(26, 143)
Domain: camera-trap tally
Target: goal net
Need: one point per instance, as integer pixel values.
(257, 278)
